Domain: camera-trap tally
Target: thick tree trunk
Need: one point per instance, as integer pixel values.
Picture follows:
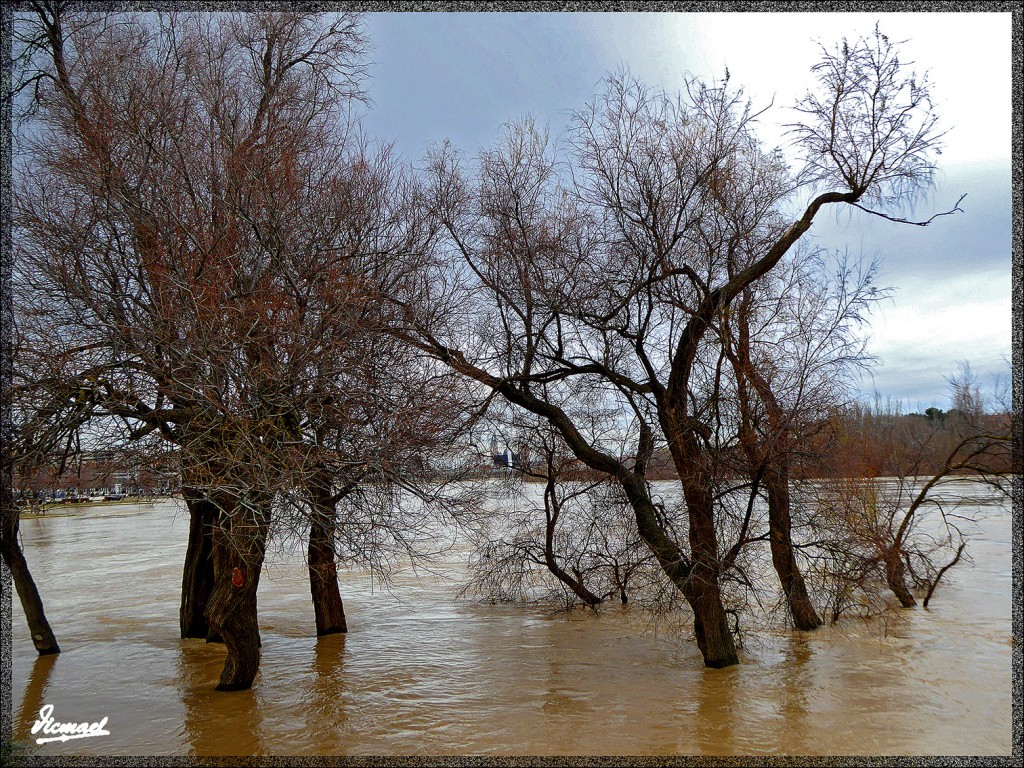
(197, 575)
(702, 589)
(776, 482)
(323, 571)
(42, 635)
(696, 579)
(239, 547)
(895, 577)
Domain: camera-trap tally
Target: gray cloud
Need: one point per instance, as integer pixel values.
(463, 75)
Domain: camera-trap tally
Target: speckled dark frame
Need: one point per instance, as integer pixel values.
(1017, 375)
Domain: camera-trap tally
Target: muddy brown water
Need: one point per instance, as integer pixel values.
(421, 673)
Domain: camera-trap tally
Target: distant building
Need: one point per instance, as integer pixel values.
(98, 472)
(508, 459)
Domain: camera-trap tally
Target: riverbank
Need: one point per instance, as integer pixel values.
(64, 508)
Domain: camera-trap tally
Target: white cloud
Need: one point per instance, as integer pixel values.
(968, 57)
(931, 326)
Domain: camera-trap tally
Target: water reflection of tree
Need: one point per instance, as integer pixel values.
(219, 725)
(797, 680)
(216, 724)
(567, 708)
(715, 729)
(35, 693)
(42, 533)
(325, 702)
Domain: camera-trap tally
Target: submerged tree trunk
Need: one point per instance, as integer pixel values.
(239, 547)
(702, 588)
(575, 584)
(42, 635)
(197, 576)
(552, 509)
(776, 482)
(323, 570)
(895, 577)
(696, 579)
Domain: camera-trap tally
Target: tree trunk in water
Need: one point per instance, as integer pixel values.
(42, 636)
(895, 577)
(702, 589)
(697, 580)
(575, 584)
(239, 547)
(773, 455)
(776, 480)
(323, 570)
(552, 509)
(197, 576)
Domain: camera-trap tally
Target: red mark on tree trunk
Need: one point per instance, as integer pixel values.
(237, 578)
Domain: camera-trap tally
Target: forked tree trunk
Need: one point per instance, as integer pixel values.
(776, 482)
(42, 635)
(239, 547)
(197, 575)
(323, 571)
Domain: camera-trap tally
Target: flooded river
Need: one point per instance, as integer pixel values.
(423, 673)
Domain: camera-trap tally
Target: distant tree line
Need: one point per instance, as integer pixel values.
(872, 443)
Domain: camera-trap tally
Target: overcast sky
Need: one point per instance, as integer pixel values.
(462, 76)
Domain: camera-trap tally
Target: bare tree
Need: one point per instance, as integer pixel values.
(198, 215)
(576, 544)
(220, 282)
(39, 424)
(793, 348)
(599, 276)
(903, 532)
(371, 477)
